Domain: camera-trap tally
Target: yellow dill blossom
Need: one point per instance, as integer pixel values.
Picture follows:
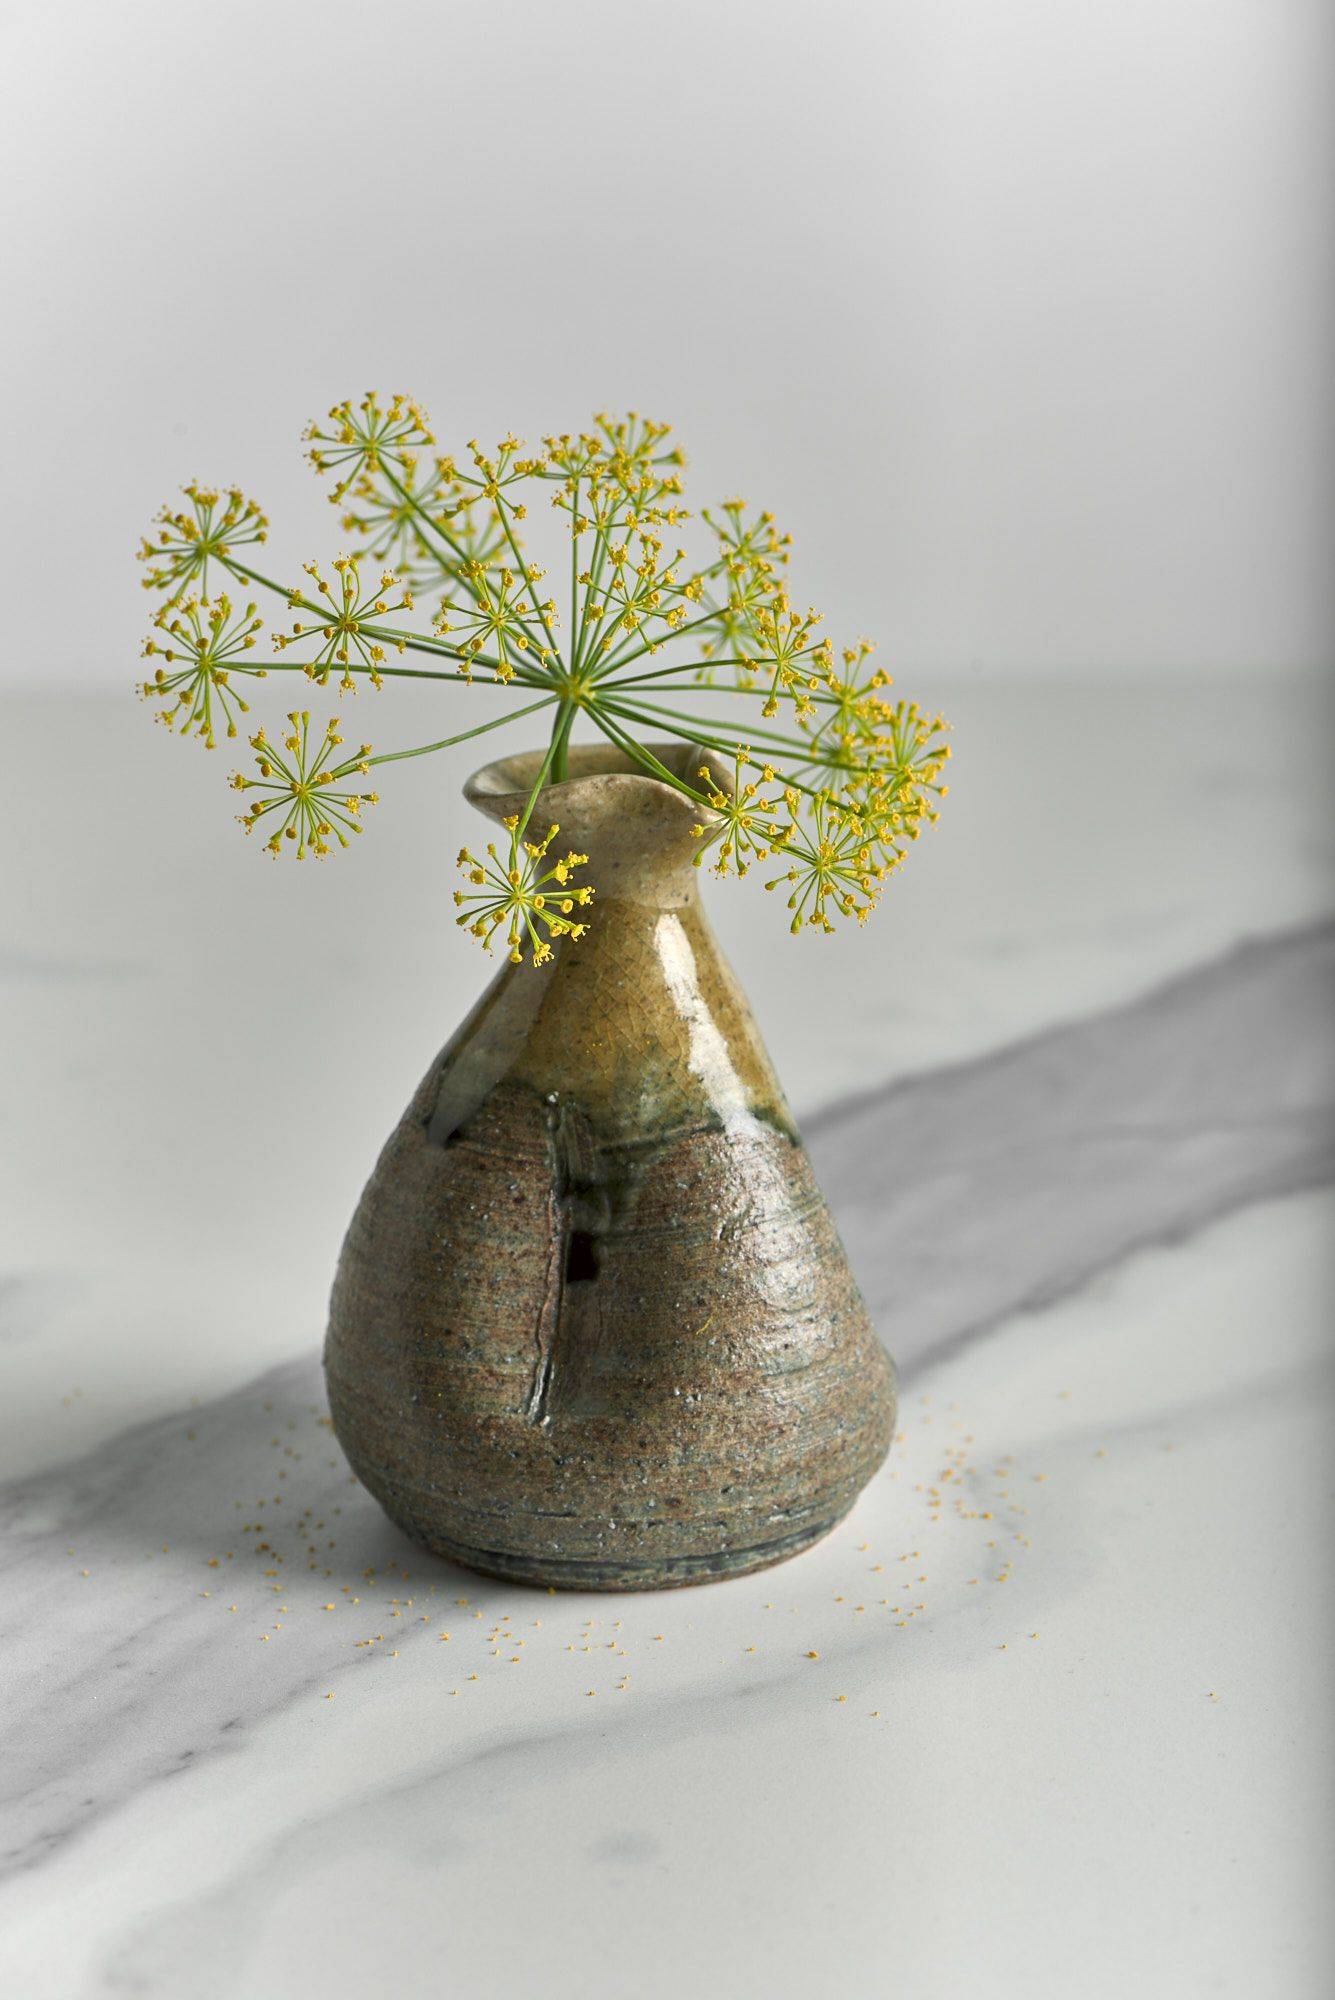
(834, 870)
(425, 525)
(842, 714)
(743, 582)
(665, 624)
(849, 707)
(756, 543)
(366, 436)
(185, 540)
(300, 795)
(784, 648)
(532, 903)
(201, 648)
(897, 792)
(385, 521)
(745, 823)
(345, 632)
(498, 619)
(636, 440)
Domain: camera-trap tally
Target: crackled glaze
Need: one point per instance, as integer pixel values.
(592, 1324)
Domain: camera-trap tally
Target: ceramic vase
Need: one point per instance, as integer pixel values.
(592, 1324)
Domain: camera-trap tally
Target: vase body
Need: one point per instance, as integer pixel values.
(592, 1324)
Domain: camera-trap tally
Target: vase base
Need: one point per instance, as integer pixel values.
(623, 1573)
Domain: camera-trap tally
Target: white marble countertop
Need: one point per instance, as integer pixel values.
(1048, 1716)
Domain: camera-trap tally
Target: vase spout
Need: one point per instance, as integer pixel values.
(637, 830)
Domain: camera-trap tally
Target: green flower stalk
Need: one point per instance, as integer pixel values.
(621, 627)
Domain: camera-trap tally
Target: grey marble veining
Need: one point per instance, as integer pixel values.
(1033, 1171)
(1028, 1171)
(1048, 1714)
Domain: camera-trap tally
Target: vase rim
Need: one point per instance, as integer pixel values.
(593, 767)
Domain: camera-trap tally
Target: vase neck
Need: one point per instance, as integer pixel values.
(639, 1025)
(637, 831)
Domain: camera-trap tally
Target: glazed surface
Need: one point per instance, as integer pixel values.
(592, 1323)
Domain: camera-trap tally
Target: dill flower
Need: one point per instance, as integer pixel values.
(500, 616)
(187, 539)
(746, 823)
(897, 795)
(634, 440)
(532, 903)
(394, 524)
(843, 782)
(300, 789)
(742, 582)
(755, 547)
(346, 630)
(834, 869)
(784, 647)
(366, 436)
(203, 648)
(387, 522)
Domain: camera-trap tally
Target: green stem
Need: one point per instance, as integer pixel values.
(639, 753)
(415, 642)
(728, 745)
(623, 659)
(538, 784)
(561, 727)
(456, 548)
(464, 736)
(529, 584)
(653, 713)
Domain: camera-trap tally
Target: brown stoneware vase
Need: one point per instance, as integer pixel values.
(592, 1324)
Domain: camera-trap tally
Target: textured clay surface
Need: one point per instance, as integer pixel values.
(592, 1324)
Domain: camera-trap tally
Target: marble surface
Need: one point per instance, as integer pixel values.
(1049, 1715)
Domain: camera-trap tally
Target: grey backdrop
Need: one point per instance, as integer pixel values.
(1017, 311)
